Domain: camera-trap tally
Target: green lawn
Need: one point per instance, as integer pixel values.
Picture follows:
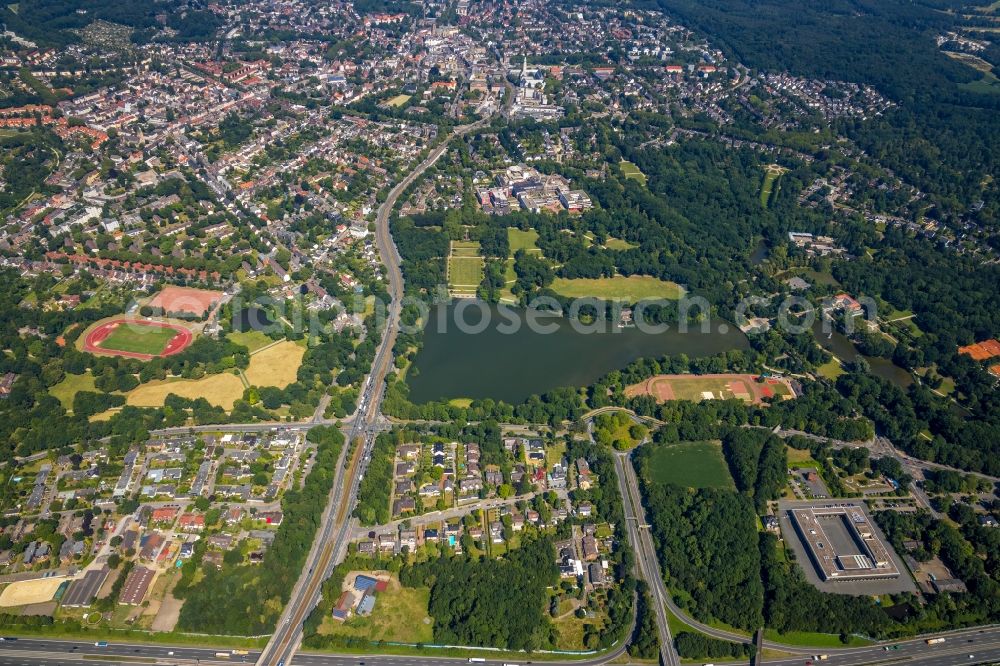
(65, 390)
(510, 277)
(465, 267)
(465, 273)
(400, 615)
(138, 339)
(618, 244)
(631, 289)
(831, 369)
(252, 340)
(767, 187)
(630, 170)
(898, 314)
(690, 464)
(522, 240)
(819, 278)
(398, 100)
(813, 639)
(904, 322)
(465, 248)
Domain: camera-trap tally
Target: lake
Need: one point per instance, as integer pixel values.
(840, 346)
(510, 366)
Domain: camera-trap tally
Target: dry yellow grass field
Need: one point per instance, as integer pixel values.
(275, 366)
(25, 592)
(221, 390)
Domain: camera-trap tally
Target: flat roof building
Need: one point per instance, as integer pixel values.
(842, 544)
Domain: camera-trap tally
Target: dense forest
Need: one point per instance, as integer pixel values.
(692, 533)
(944, 135)
(757, 462)
(469, 597)
(27, 159)
(707, 547)
(56, 22)
(376, 485)
(720, 567)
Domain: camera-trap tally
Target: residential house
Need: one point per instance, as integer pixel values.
(189, 522)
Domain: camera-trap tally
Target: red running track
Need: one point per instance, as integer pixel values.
(177, 344)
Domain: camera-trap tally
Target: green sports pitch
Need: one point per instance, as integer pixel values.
(138, 339)
(689, 464)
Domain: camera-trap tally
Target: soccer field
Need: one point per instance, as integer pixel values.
(138, 338)
(689, 464)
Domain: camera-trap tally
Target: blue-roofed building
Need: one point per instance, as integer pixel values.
(364, 583)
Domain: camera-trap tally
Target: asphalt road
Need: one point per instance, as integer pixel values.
(645, 556)
(957, 648)
(982, 644)
(331, 541)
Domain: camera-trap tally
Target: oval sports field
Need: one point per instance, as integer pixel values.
(136, 338)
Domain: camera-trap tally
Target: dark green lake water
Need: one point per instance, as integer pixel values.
(512, 366)
(839, 345)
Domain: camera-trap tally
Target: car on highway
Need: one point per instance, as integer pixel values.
(101, 644)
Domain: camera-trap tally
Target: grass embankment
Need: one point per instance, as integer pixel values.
(631, 289)
(632, 172)
(813, 639)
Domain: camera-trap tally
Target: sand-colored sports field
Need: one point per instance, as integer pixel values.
(712, 387)
(23, 592)
(173, 299)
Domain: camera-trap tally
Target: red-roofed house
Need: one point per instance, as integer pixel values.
(164, 514)
(191, 523)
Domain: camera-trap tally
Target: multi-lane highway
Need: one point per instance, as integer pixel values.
(645, 556)
(331, 541)
(972, 646)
